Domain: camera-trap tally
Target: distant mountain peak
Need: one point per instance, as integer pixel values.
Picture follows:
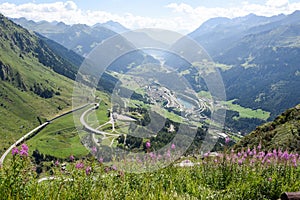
(251, 15)
(111, 22)
(113, 25)
(296, 12)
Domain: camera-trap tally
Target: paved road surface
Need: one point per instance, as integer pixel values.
(23, 138)
(89, 128)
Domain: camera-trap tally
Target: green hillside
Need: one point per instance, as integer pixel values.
(259, 63)
(283, 132)
(31, 90)
(80, 38)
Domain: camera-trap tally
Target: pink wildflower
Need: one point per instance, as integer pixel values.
(152, 155)
(168, 154)
(23, 153)
(259, 146)
(248, 151)
(79, 165)
(227, 140)
(148, 144)
(15, 151)
(294, 161)
(274, 153)
(88, 170)
(24, 150)
(240, 162)
(270, 179)
(206, 154)
(94, 150)
(106, 169)
(279, 153)
(24, 147)
(254, 151)
(173, 146)
(72, 158)
(285, 155)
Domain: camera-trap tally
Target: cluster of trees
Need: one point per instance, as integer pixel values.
(42, 91)
(283, 132)
(243, 125)
(191, 139)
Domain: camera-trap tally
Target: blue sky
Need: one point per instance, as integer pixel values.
(183, 16)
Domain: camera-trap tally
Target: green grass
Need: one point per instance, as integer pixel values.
(107, 141)
(99, 116)
(59, 139)
(282, 133)
(204, 94)
(102, 113)
(137, 104)
(247, 112)
(106, 128)
(213, 177)
(20, 111)
(20, 107)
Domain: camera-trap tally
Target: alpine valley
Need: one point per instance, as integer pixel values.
(148, 127)
(258, 58)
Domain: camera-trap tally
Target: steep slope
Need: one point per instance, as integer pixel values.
(78, 37)
(267, 65)
(283, 132)
(67, 54)
(262, 55)
(81, 38)
(31, 90)
(217, 34)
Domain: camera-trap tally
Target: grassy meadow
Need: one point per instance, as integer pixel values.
(248, 174)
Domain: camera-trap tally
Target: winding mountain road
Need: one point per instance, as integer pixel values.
(21, 140)
(89, 128)
(37, 129)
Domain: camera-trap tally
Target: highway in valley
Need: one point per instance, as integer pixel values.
(34, 131)
(89, 128)
(22, 139)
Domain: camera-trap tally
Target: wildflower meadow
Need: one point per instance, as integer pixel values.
(247, 174)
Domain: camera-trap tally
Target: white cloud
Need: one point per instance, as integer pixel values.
(193, 17)
(69, 13)
(182, 16)
(55, 11)
(277, 3)
(70, 5)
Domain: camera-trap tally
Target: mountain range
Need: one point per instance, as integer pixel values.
(37, 73)
(80, 38)
(35, 80)
(259, 56)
